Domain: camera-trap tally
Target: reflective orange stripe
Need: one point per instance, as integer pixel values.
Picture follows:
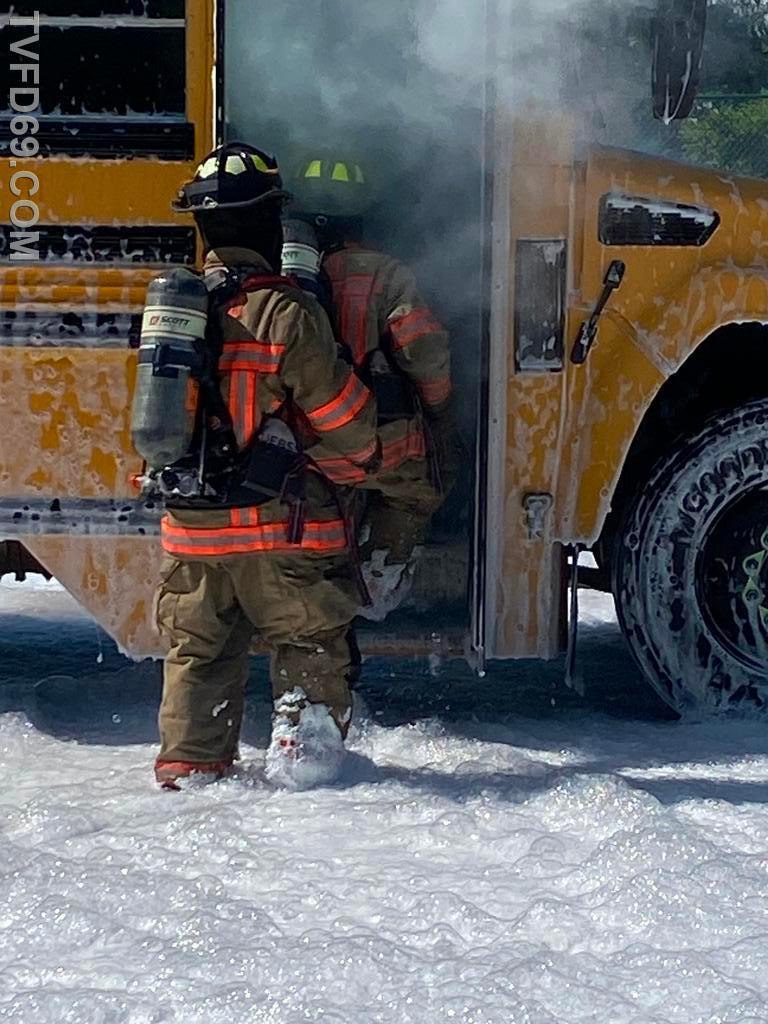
(251, 411)
(415, 325)
(216, 541)
(343, 408)
(242, 402)
(233, 403)
(251, 355)
(244, 517)
(341, 470)
(413, 446)
(353, 301)
(361, 457)
(435, 392)
(241, 361)
(394, 454)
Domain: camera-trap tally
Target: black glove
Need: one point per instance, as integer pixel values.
(446, 449)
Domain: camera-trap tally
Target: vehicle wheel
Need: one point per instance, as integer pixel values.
(691, 568)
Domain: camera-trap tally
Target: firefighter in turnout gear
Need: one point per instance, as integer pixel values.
(280, 567)
(402, 353)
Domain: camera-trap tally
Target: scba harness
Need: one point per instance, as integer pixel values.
(181, 424)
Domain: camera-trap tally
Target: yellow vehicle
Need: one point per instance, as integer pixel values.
(607, 309)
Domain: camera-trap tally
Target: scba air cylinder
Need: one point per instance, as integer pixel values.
(172, 338)
(301, 253)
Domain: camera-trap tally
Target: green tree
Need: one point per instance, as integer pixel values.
(729, 125)
(732, 134)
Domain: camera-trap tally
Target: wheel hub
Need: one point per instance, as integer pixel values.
(733, 578)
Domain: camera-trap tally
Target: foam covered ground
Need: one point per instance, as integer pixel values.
(499, 852)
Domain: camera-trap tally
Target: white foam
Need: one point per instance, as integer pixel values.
(562, 869)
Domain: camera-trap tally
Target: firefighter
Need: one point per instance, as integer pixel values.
(230, 572)
(402, 352)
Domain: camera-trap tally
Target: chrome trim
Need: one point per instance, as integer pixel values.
(106, 21)
(78, 517)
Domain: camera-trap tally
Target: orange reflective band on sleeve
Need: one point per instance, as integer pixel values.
(347, 469)
(341, 470)
(413, 446)
(208, 542)
(435, 392)
(417, 324)
(360, 458)
(342, 409)
(394, 454)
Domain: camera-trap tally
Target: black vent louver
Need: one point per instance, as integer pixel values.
(636, 220)
(108, 138)
(72, 243)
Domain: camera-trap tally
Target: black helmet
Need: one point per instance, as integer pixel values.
(234, 175)
(332, 185)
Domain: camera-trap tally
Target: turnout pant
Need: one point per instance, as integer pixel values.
(398, 507)
(302, 606)
(402, 500)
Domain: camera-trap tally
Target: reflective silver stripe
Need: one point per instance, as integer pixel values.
(106, 21)
(79, 516)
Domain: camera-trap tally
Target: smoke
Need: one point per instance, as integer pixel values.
(402, 88)
(403, 83)
(358, 65)
(397, 87)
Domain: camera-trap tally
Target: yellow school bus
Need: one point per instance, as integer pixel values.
(607, 304)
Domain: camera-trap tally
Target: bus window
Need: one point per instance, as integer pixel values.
(112, 79)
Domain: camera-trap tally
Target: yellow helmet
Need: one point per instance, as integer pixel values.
(335, 186)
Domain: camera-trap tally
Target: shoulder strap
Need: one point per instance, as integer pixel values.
(253, 282)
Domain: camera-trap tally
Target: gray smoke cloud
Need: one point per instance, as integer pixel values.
(400, 86)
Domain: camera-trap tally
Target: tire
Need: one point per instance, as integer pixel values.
(691, 568)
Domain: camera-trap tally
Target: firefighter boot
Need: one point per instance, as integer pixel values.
(388, 583)
(169, 774)
(307, 749)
